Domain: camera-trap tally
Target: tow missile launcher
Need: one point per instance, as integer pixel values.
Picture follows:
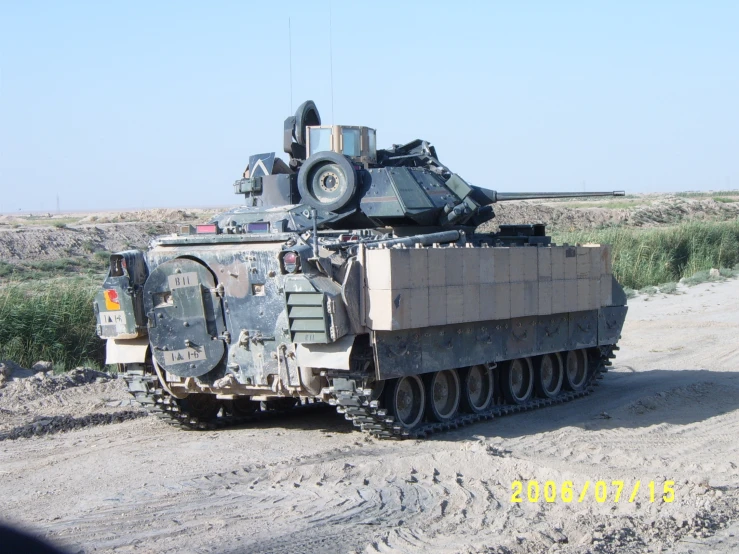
(356, 276)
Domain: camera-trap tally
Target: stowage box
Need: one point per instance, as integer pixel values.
(407, 288)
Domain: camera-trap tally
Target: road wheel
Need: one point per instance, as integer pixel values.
(442, 393)
(576, 369)
(406, 401)
(477, 389)
(548, 375)
(518, 381)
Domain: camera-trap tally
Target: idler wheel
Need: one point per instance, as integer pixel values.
(518, 381)
(406, 401)
(477, 389)
(442, 393)
(205, 407)
(327, 181)
(576, 369)
(548, 375)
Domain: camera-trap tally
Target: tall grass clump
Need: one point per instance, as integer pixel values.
(49, 320)
(649, 257)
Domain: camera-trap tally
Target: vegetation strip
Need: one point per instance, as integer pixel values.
(50, 320)
(655, 256)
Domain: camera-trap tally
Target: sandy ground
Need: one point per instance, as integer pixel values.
(667, 411)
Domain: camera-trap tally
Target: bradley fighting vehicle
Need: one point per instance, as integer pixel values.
(355, 276)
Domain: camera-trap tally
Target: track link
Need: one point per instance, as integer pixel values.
(148, 392)
(357, 407)
(365, 413)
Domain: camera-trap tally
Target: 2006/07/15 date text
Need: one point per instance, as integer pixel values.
(617, 491)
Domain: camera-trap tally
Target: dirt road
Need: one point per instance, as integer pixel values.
(668, 411)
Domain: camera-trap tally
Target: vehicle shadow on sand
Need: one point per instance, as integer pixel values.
(625, 399)
(317, 417)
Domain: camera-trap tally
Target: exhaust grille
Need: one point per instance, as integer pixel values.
(307, 316)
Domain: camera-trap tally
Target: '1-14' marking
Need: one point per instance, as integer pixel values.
(113, 318)
(185, 355)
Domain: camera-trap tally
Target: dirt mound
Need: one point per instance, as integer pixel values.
(43, 403)
(156, 215)
(26, 244)
(553, 216)
(39, 239)
(670, 210)
(655, 210)
(25, 239)
(25, 386)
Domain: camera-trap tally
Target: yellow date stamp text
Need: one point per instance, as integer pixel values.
(601, 491)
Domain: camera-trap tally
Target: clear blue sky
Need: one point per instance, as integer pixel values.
(131, 104)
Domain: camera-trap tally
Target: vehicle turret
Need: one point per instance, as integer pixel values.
(337, 176)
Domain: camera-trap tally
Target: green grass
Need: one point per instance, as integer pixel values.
(49, 269)
(50, 320)
(650, 257)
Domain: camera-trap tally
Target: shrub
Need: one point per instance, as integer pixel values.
(7, 269)
(89, 246)
(697, 278)
(668, 288)
(102, 257)
(59, 265)
(51, 320)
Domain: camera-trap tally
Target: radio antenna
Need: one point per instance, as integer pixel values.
(331, 59)
(290, 46)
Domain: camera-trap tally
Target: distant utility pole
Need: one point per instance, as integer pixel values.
(57, 204)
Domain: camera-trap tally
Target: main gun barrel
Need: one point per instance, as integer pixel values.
(504, 196)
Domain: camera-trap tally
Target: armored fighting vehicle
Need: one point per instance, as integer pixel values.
(356, 276)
